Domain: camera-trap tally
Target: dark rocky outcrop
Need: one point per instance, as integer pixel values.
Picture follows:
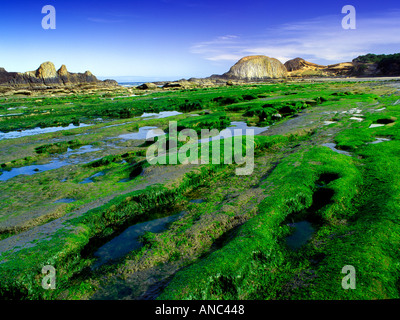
(147, 86)
(110, 82)
(383, 65)
(180, 84)
(47, 76)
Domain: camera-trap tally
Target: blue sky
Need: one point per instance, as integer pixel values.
(173, 39)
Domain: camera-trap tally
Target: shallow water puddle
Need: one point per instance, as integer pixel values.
(56, 163)
(65, 200)
(237, 128)
(376, 125)
(11, 114)
(382, 122)
(355, 110)
(197, 201)
(357, 119)
(32, 132)
(242, 126)
(332, 146)
(321, 198)
(161, 115)
(129, 240)
(303, 232)
(118, 124)
(81, 150)
(90, 179)
(379, 140)
(32, 169)
(143, 133)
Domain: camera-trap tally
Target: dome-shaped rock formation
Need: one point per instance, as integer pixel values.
(257, 67)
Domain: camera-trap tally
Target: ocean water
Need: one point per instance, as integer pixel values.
(131, 84)
(134, 84)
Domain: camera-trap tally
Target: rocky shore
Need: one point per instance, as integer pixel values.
(47, 78)
(251, 69)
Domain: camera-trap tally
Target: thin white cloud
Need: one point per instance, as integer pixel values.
(222, 48)
(320, 40)
(225, 57)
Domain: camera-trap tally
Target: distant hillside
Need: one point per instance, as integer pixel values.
(299, 64)
(299, 67)
(260, 68)
(377, 65)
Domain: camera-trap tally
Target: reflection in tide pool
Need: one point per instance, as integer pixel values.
(81, 150)
(379, 140)
(58, 162)
(332, 146)
(90, 179)
(197, 201)
(29, 170)
(143, 133)
(303, 232)
(237, 128)
(129, 240)
(32, 132)
(65, 200)
(162, 114)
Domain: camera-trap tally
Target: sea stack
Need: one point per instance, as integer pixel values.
(257, 68)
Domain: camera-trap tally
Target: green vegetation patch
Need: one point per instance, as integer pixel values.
(217, 120)
(21, 270)
(59, 147)
(255, 264)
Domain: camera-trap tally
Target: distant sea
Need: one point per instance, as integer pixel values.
(132, 81)
(130, 84)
